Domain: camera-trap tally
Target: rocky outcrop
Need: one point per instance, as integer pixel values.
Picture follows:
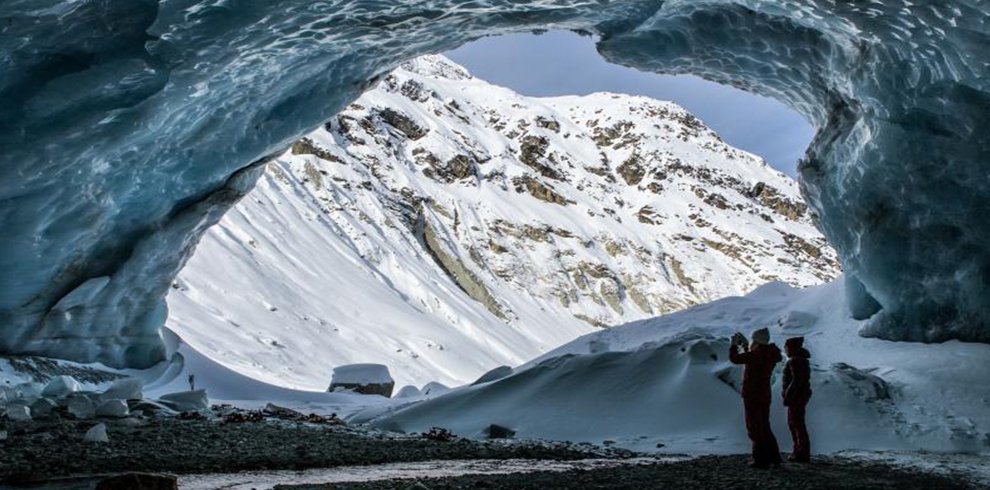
(459, 273)
(772, 199)
(533, 153)
(403, 123)
(632, 170)
(538, 190)
(306, 146)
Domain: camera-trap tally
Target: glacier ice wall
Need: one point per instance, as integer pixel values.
(128, 127)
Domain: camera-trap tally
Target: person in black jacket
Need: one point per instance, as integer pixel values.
(759, 360)
(797, 393)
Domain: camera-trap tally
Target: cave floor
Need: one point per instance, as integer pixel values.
(705, 472)
(37, 451)
(41, 451)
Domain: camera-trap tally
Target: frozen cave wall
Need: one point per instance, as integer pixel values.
(128, 127)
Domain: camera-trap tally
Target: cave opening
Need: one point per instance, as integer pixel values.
(160, 132)
(509, 208)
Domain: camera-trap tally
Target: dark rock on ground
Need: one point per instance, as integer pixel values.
(138, 481)
(43, 450)
(496, 431)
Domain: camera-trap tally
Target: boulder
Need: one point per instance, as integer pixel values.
(81, 407)
(27, 390)
(138, 481)
(366, 379)
(18, 412)
(131, 422)
(496, 431)
(97, 433)
(125, 389)
(282, 412)
(113, 408)
(149, 408)
(493, 375)
(408, 391)
(61, 386)
(42, 407)
(186, 401)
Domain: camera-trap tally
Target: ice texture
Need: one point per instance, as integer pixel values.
(129, 127)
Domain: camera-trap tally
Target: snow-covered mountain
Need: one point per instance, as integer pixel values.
(444, 226)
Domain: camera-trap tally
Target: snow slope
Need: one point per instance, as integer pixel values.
(444, 226)
(667, 380)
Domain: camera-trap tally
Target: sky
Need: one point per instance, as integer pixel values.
(564, 63)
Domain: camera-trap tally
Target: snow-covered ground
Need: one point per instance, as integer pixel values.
(667, 381)
(664, 384)
(444, 226)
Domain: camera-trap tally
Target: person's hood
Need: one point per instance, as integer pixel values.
(762, 336)
(803, 353)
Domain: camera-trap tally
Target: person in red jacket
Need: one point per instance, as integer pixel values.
(759, 360)
(796, 393)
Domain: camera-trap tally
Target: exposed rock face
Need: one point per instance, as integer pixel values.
(458, 271)
(538, 189)
(306, 147)
(403, 123)
(145, 107)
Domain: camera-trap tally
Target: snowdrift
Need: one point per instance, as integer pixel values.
(224, 385)
(667, 381)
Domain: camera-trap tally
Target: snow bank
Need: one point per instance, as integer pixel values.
(228, 386)
(667, 381)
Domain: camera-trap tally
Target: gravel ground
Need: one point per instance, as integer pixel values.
(708, 472)
(36, 451)
(42, 450)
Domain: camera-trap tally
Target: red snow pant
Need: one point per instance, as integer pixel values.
(799, 431)
(765, 449)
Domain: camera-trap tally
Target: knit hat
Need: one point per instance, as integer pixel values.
(762, 336)
(794, 342)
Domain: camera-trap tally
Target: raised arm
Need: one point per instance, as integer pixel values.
(736, 357)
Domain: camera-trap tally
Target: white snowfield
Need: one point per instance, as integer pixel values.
(443, 226)
(667, 381)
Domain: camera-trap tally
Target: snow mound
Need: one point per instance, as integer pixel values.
(667, 381)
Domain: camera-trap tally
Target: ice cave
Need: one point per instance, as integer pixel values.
(129, 127)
